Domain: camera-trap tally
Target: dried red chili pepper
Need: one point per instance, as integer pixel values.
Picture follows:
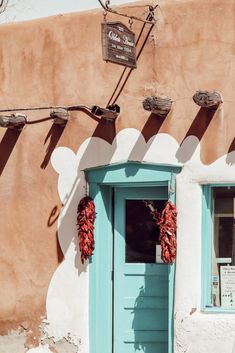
(167, 225)
(166, 220)
(85, 223)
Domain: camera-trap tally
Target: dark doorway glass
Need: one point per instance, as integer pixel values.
(142, 233)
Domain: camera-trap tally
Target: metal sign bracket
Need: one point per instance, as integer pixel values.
(150, 18)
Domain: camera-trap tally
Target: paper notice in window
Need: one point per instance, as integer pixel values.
(158, 254)
(215, 290)
(227, 276)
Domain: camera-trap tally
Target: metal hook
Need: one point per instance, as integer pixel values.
(105, 14)
(130, 22)
(151, 13)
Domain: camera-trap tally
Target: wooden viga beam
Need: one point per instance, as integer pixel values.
(13, 121)
(207, 99)
(158, 105)
(60, 116)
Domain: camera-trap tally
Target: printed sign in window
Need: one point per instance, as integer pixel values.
(227, 275)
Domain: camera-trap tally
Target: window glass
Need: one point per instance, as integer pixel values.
(142, 233)
(223, 247)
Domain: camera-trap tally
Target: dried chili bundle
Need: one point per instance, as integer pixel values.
(167, 225)
(85, 222)
(166, 220)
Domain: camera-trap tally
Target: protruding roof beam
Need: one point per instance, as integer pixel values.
(60, 116)
(207, 99)
(158, 105)
(111, 112)
(13, 121)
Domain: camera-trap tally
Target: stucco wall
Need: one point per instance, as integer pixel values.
(58, 61)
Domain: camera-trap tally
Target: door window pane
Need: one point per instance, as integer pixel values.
(142, 233)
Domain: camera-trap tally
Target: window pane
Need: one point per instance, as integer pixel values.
(142, 233)
(223, 254)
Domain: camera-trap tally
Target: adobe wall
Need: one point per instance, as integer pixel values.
(58, 61)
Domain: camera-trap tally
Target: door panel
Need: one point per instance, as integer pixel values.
(149, 347)
(140, 295)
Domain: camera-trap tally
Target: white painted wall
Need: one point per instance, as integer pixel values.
(21, 10)
(67, 299)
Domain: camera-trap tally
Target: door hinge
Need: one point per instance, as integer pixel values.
(112, 275)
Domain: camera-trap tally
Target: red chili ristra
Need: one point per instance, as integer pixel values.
(85, 223)
(167, 225)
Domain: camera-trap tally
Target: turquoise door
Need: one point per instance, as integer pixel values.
(140, 285)
(131, 296)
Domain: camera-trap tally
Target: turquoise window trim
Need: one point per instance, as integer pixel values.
(101, 181)
(207, 243)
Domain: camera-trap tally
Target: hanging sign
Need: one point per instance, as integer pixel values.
(227, 274)
(118, 44)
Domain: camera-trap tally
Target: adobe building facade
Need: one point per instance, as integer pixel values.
(50, 301)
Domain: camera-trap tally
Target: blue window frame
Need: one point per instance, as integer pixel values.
(218, 248)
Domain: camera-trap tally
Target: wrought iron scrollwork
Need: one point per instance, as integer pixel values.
(150, 17)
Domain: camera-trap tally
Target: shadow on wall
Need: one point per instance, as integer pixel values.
(230, 158)
(60, 255)
(151, 128)
(7, 145)
(197, 129)
(11, 136)
(54, 215)
(106, 129)
(67, 231)
(54, 135)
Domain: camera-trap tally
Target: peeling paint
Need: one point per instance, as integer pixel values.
(40, 349)
(66, 344)
(193, 310)
(62, 346)
(13, 342)
(23, 340)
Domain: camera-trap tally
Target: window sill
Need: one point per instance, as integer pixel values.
(216, 310)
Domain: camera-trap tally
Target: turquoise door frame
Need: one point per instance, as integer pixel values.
(101, 181)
